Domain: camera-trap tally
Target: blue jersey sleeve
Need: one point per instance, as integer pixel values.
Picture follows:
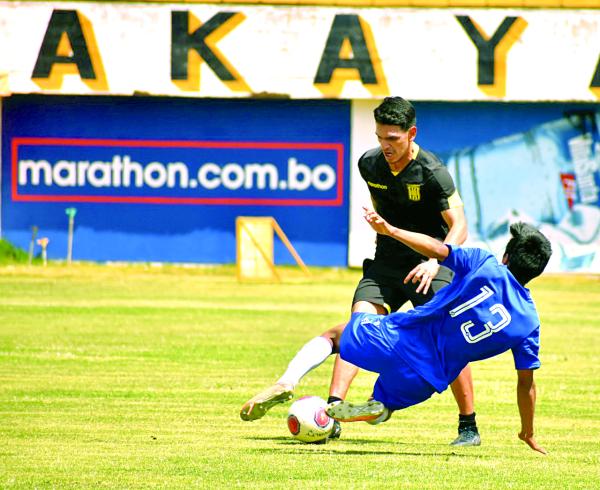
(526, 353)
(462, 260)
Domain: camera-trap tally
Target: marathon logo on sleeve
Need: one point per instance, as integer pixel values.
(377, 186)
(177, 172)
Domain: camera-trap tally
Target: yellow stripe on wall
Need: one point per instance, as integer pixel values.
(549, 4)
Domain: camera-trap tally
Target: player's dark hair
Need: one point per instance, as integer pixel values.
(528, 252)
(396, 111)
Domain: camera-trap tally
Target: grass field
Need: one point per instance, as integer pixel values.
(133, 376)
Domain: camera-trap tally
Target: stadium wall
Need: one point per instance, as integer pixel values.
(161, 123)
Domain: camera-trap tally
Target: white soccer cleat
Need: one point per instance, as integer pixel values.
(256, 407)
(350, 412)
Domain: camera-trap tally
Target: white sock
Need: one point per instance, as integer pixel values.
(312, 355)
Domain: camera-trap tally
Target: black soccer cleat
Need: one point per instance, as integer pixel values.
(336, 430)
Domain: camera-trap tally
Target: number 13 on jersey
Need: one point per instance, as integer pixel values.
(470, 331)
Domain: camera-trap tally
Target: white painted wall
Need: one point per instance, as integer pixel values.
(361, 237)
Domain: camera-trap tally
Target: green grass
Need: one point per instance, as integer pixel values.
(9, 254)
(132, 377)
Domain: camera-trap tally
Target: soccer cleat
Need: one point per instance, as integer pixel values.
(336, 430)
(384, 417)
(350, 412)
(256, 407)
(467, 437)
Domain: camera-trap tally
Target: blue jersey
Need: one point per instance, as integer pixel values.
(482, 313)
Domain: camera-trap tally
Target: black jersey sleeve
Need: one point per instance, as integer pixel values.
(367, 163)
(442, 190)
(361, 167)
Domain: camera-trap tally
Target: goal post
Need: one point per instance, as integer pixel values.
(255, 248)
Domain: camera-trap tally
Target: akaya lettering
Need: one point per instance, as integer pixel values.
(189, 36)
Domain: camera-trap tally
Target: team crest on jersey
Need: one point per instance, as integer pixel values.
(414, 191)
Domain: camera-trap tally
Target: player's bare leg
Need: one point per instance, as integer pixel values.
(345, 372)
(462, 389)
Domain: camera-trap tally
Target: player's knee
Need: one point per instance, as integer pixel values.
(368, 307)
(333, 335)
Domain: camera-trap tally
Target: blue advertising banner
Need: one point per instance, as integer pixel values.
(156, 179)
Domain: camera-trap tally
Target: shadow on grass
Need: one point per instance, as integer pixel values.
(286, 444)
(288, 441)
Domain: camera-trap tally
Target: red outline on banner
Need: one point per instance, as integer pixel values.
(33, 141)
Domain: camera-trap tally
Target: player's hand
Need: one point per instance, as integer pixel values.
(531, 442)
(380, 225)
(423, 273)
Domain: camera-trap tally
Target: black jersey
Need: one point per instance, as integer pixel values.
(413, 200)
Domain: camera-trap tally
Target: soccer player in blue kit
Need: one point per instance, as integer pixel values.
(485, 311)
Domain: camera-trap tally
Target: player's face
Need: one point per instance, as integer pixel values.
(395, 142)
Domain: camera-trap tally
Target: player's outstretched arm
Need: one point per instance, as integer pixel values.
(457, 225)
(423, 244)
(425, 272)
(526, 395)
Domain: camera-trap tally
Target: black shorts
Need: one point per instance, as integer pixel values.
(386, 287)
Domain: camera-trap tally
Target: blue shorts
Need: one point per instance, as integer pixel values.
(398, 386)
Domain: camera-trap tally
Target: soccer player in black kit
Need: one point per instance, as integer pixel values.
(411, 189)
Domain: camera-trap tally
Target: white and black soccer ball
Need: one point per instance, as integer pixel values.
(307, 420)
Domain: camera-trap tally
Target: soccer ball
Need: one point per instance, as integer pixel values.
(307, 420)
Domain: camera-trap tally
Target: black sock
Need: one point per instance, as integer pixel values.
(332, 399)
(467, 422)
